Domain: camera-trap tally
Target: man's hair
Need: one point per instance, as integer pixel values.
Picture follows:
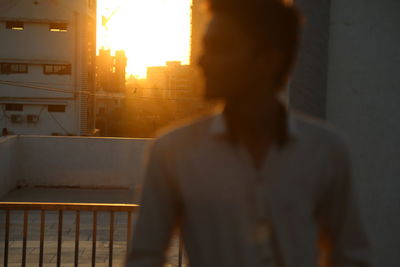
(269, 23)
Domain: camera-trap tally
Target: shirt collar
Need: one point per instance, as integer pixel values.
(218, 124)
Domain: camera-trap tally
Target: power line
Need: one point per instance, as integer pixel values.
(20, 84)
(59, 90)
(59, 124)
(45, 83)
(27, 84)
(162, 98)
(40, 112)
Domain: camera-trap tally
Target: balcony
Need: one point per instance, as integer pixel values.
(56, 194)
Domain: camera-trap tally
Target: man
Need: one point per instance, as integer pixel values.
(257, 185)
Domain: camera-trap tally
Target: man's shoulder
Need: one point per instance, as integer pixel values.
(187, 132)
(318, 131)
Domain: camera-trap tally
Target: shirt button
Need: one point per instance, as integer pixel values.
(263, 232)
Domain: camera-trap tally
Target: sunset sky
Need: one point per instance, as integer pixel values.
(150, 31)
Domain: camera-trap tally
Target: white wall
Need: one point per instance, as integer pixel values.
(8, 164)
(70, 162)
(78, 161)
(49, 123)
(46, 9)
(364, 101)
(35, 45)
(35, 77)
(36, 42)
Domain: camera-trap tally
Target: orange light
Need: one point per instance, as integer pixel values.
(151, 32)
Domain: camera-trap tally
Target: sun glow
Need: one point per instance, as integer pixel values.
(150, 31)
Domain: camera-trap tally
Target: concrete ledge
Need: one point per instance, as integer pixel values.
(72, 162)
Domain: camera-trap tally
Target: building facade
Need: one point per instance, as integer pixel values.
(111, 89)
(111, 71)
(47, 59)
(171, 81)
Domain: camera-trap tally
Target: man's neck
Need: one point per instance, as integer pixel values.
(254, 117)
(256, 126)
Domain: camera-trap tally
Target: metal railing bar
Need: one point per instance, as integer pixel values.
(42, 225)
(59, 238)
(25, 237)
(77, 232)
(68, 206)
(78, 208)
(129, 231)
(94, 233)
(111, 243)
(180, 256)
(6, 237)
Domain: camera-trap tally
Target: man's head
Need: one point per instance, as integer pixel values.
(249, 48)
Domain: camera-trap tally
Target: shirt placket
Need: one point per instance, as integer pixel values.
(263, 228)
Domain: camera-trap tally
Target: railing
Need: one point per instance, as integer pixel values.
(60, 208)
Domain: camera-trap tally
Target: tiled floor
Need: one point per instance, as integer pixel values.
(68, 229)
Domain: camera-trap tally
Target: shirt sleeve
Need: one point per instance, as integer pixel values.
(157, 214)
(343, 226)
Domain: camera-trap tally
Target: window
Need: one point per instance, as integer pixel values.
(13, 68)
(14, 107)
(16, 118)
(15, 25)
(58, 27)
(32, 118)
(56, 108)
(57, 69)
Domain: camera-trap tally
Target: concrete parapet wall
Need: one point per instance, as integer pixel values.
(71, 162)
(82, 162)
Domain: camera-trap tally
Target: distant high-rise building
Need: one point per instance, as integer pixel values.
(173, 80)
(111, 71)
(47, 60)
(110, 93)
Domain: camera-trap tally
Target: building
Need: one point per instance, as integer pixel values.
(111, 71)
(171, 81)
(111, 89)
(110, 80)
(47, 59)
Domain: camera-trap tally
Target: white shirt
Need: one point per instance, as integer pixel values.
(198, 180)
